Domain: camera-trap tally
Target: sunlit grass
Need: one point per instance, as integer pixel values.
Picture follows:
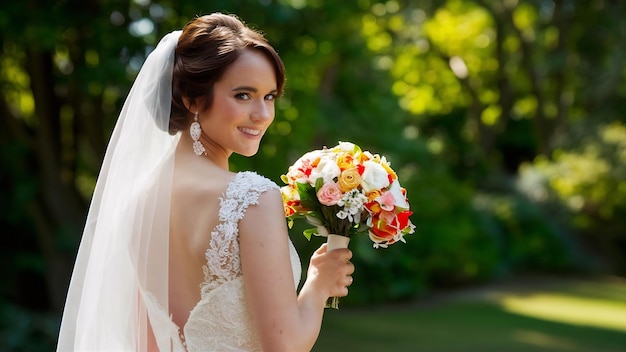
(562, 315)
(569, 309)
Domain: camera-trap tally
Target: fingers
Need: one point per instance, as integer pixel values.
(342, 254)
(348, 266)
(344, 267)
(349, 281)
(341, 290)
(339, 251)
(323, 248)
(333, 270)
(345, 279)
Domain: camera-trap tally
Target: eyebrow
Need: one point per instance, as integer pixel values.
(251, 89)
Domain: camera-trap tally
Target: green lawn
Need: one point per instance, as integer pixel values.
(530, 315)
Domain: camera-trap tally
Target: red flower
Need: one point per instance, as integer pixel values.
(291, 207)
(403, 219)
(360, 168)
(387, 230)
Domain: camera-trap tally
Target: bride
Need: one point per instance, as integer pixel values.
(178, 253)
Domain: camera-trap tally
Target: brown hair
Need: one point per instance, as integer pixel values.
(207, 46)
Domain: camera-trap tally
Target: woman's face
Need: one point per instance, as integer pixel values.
(243, 106)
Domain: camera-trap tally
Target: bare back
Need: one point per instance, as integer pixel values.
(196, 189)
(207, 301)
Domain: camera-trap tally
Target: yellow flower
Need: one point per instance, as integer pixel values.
(373, 195)
(362, 157)
(374, 208)
(349, 179)
(345, 161)
(389, 170)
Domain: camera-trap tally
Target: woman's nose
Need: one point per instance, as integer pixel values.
(263, 110)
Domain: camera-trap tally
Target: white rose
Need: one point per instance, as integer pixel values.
(374, 177)
(296, 171)
(346, 146)
(327, 169)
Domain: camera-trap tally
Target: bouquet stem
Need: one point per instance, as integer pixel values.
(335, 242)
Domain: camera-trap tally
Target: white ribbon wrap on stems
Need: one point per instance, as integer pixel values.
(335, 242)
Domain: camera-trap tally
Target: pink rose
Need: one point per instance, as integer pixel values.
(329, 194)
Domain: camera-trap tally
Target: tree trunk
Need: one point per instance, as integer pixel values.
(58, 207)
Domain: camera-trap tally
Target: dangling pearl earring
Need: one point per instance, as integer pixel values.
(195, 130)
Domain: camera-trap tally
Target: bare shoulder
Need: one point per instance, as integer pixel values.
(265, 220)
(197, 183)
(191, 192)
(195, 204)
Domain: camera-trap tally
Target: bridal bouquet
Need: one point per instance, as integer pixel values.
(344, 192)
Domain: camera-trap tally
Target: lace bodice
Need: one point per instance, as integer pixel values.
(220, 321)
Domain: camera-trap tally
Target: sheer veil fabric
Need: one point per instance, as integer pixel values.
(114, 301)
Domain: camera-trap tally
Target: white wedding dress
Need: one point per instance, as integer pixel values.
(220, 321)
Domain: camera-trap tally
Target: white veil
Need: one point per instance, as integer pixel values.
(121, 272)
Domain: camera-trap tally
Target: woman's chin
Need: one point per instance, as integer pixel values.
(249, 152)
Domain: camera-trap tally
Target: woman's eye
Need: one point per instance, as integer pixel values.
(270, 97)
(243, 96)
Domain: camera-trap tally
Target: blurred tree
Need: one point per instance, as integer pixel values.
(522, 70)
(495, 84)
(589, 178)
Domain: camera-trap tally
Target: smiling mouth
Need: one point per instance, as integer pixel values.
(250, 131)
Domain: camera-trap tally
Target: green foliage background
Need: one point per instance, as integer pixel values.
(504, 119)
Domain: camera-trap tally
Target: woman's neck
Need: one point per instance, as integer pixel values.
(215, 155)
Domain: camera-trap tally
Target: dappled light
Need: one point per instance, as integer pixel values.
(568, 309)
(540, 314)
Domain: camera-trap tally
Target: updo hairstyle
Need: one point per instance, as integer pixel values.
(207, 46)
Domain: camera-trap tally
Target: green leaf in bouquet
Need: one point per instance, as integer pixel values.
(303, 191)
(308, 196)
(318, 184)
(310, 232)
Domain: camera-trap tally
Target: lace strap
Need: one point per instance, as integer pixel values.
(243, 191)
(223, 262)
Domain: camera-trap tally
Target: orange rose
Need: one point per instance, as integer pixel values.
(349, 179)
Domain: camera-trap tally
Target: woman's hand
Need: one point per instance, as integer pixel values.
(330, 271)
